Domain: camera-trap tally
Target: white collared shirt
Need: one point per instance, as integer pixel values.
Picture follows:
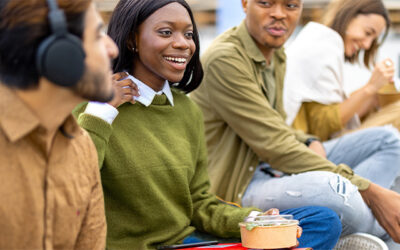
(108, 113)
(147, 94)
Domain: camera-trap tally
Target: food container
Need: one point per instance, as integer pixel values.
(269, 232)
(388, 94)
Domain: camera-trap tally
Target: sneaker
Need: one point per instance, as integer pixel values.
(360, 241)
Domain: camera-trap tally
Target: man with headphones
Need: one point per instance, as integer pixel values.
(53, 55)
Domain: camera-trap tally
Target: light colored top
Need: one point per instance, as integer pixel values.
(147, 94)
(47, 201)
(154, 173)
(314, 73)
(242, 126)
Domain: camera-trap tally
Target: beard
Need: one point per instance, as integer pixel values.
(93, 86)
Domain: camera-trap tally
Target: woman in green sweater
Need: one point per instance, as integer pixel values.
(151, 147)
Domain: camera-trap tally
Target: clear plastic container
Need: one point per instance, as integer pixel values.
(269, 231)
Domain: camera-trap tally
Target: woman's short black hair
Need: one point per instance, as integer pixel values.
(124, 24)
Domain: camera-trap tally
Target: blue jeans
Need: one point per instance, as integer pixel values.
(321, 228)
(373, 153)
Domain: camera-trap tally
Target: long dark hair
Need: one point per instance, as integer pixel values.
(341, 12)
(124, 24)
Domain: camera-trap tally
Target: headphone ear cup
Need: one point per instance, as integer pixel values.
(61, 60)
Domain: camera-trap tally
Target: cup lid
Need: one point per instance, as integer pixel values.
(269, 221)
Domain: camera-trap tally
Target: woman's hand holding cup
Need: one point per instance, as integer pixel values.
(383, 73)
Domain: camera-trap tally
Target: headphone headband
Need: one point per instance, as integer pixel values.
(56, 18)
(52, 5)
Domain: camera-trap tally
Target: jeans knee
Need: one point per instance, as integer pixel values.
(389, 135)
(342, 187)
(329, 223)
(334, 225)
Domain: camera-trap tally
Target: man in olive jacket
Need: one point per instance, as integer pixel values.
(254, 157)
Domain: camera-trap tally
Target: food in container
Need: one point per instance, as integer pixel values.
(269, 231)
(388, 94)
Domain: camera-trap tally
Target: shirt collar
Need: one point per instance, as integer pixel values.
(18, 120)
(147, 94)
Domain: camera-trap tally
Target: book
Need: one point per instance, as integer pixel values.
(234, 246)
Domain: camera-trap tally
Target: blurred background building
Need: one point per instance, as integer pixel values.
(215, 16)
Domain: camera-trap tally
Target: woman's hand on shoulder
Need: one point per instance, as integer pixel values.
(124, 89)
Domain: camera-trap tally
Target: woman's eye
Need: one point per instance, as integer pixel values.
(265, 3)
(189, 35)
(165, 32)
(292, 6)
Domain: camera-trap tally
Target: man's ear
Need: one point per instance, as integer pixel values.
(244, 5)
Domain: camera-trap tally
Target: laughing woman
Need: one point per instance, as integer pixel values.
(153, 158)
(315, 96)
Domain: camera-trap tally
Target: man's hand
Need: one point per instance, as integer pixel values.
(385, 205)
(318, 148)
(124, 90)
(272, 211)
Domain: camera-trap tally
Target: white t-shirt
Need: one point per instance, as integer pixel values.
(314, 71)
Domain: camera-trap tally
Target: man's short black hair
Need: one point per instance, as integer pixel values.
(23, 26)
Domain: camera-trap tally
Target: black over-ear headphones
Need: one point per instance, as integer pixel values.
(60, 57)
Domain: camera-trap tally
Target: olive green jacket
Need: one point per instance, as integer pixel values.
(242, 126)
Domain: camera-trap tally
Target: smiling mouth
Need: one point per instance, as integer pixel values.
(178, 60)
(177, 63)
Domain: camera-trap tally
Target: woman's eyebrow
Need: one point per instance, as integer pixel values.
(174, 23)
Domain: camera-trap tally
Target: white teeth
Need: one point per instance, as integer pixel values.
(178, 60)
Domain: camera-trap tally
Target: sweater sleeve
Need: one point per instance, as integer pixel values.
(98, 129)
(238, 100)
(211, 214)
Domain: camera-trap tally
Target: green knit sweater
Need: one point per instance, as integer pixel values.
(154, 174)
